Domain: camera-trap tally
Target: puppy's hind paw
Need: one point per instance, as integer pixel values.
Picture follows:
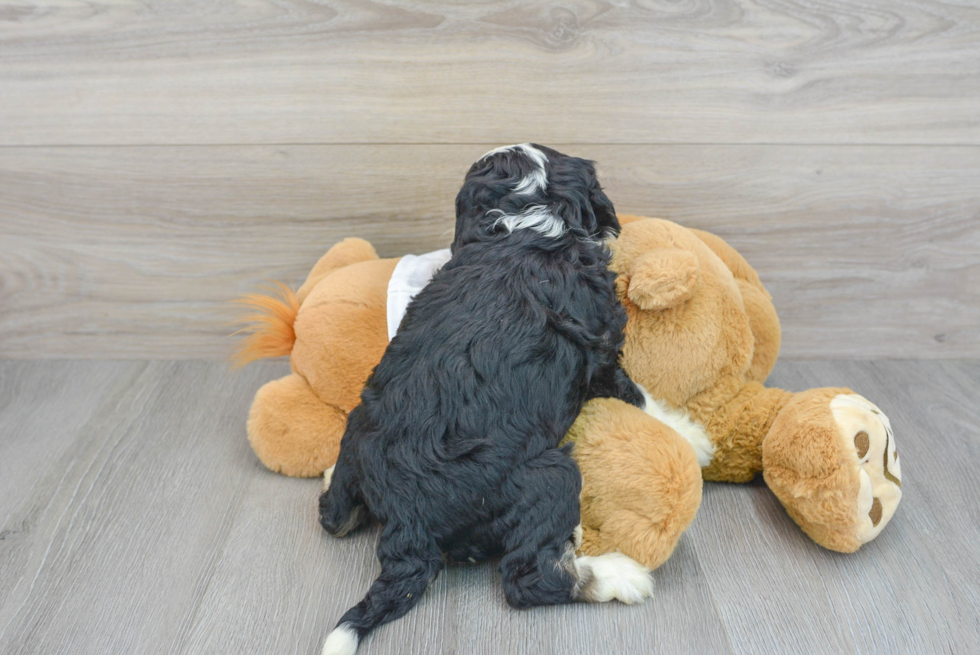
(613, 576)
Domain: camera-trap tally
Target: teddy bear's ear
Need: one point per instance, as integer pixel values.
(663, 278)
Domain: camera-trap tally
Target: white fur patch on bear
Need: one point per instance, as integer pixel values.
(411, 274)
(692, 431)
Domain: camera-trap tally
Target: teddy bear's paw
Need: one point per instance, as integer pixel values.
(613, 576)
(870, 445)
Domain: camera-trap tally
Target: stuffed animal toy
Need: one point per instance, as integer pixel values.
(702, 336)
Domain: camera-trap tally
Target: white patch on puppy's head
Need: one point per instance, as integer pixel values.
(537, 180)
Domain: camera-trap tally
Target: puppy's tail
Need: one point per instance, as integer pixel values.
(269, 327)
(396, 591)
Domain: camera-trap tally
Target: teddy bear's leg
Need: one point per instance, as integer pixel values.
(830, 458)
(292, 431)
(641, 483)
(540, 523)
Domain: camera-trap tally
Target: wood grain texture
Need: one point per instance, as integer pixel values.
(869, 251)
(115, 544)
(156, 531)
(42, 408)
(282, 584)
(909, 591)
(698, 71)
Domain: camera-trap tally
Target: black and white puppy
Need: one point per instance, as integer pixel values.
(454, 447)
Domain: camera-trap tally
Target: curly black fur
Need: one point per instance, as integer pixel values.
(454, 447)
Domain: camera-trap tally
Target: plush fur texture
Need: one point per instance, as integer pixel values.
(677, 419)
(641, 484)
(338, 335)
(850, 455)
(454, 446)
(701, 335)
(706, 356)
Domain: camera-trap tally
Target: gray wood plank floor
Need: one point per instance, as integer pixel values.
(136, 520)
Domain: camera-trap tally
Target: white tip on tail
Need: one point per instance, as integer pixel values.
(677, 419)
(614, 576)
(342, 641)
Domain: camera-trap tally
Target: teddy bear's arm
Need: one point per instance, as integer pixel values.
(737, 422)
(737, 264)
(828, 454)
(758, 305)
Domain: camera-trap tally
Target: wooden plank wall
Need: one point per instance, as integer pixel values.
(159, 158)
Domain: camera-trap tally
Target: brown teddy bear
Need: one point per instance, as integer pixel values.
(702, 336)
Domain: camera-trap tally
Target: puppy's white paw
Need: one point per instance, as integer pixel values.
(342, 641)
(327, 476)
(613, 576)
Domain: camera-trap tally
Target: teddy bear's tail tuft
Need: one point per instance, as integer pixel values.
(269, 327)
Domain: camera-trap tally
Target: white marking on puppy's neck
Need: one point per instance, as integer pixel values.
(692, 431)
(537, 180)
(533, 217)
